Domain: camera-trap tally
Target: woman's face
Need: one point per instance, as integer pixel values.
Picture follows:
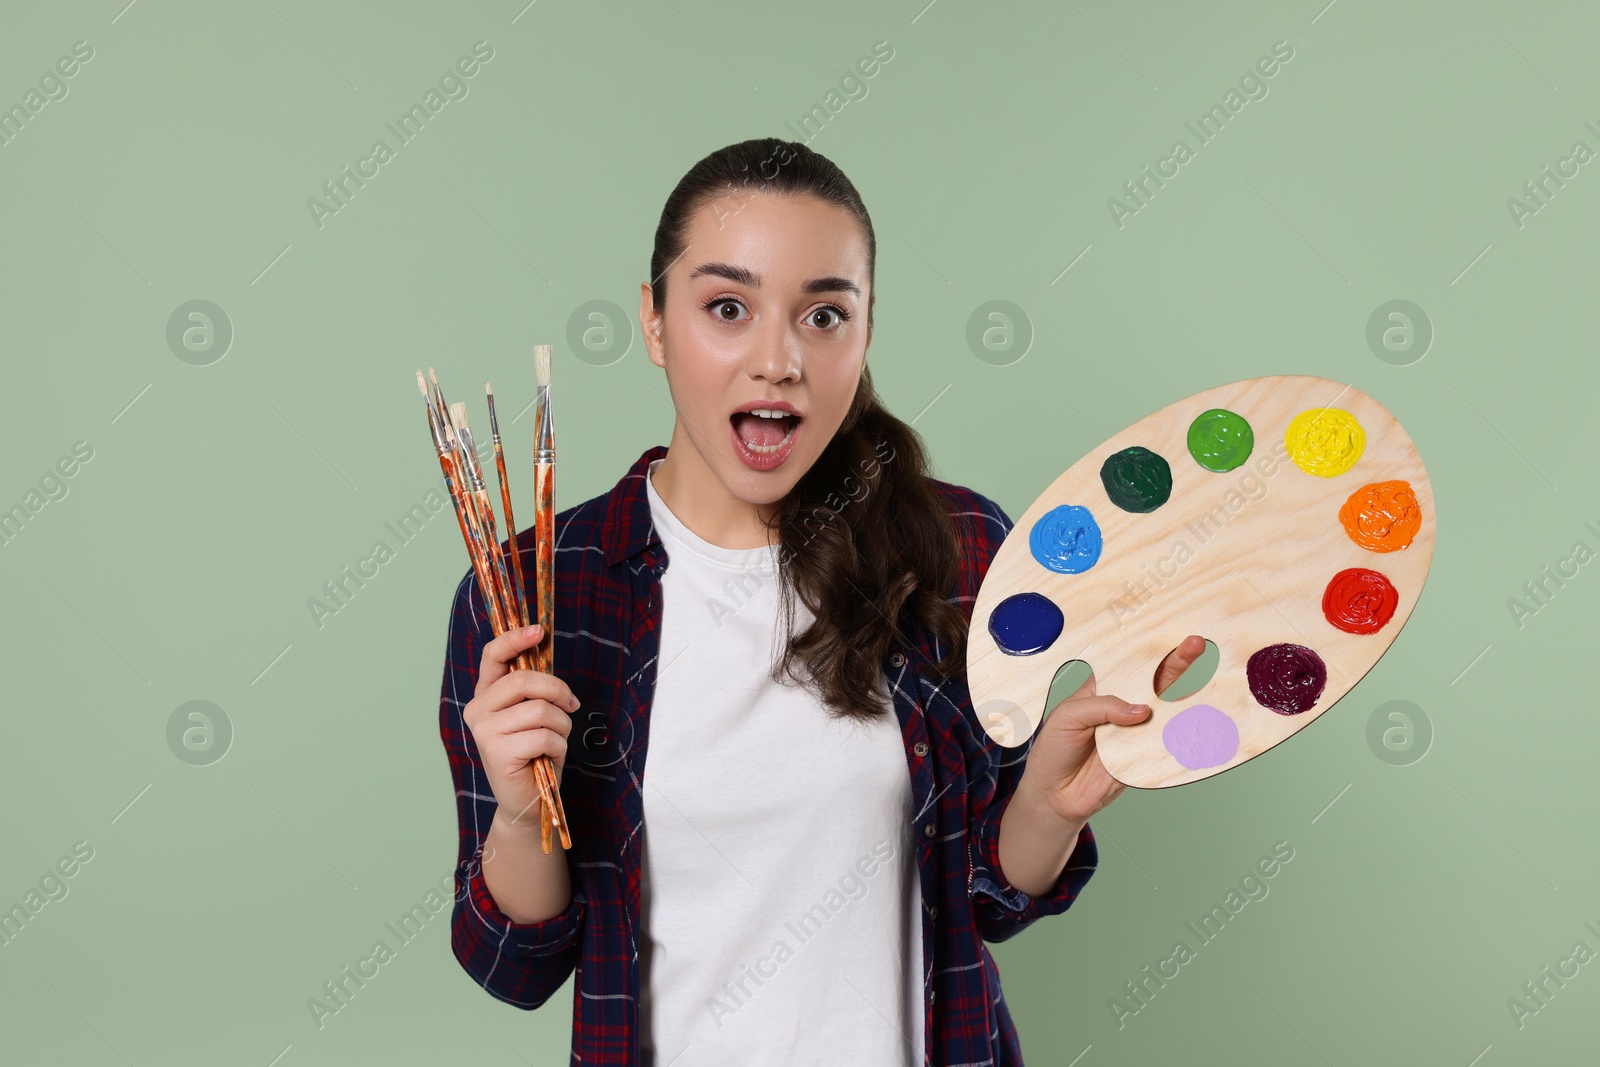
(766, 309)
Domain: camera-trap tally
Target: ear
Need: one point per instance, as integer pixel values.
(650, 324)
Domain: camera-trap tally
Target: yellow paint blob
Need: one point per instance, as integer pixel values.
(1325, 441)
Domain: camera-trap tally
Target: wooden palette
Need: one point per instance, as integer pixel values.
(1301, 579)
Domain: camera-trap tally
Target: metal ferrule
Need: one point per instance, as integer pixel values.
(544, 429)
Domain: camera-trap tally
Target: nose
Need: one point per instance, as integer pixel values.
(775, 355)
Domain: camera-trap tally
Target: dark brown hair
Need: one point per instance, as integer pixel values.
(866, 541)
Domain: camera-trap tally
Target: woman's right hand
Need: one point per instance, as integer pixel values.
(515, 717)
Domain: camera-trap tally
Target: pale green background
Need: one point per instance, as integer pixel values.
(180, 563)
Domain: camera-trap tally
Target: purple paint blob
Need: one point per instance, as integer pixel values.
(1201, 737)
(1287, 678)
(1025, 624)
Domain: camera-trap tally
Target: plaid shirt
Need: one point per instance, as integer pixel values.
(609, 561)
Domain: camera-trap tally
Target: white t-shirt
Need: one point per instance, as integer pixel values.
(782, 908)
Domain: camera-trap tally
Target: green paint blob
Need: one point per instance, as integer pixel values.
(1220, 440)
(1136, 479)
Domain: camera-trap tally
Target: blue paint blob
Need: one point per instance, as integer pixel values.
(1066, 539)
(1025, 624)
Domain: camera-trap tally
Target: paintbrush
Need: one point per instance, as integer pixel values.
(458, 461)
(543, 772)
(544, 514)
(444, 449)
(544, 497)
(520, 585)
(485, 511)
(445, 442)
(436, 399)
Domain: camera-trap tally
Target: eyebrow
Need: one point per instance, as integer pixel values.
(745, 276)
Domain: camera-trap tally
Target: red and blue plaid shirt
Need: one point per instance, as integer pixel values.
(609, 561)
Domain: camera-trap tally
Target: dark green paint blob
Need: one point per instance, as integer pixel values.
(1136, 479)
(1220, 440)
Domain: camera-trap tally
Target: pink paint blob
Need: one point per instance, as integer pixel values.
(1201, 737)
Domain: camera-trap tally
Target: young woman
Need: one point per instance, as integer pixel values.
(791, 837)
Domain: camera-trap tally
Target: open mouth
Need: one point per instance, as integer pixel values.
(763, 438)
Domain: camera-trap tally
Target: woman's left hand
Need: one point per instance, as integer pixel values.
(1064, 766)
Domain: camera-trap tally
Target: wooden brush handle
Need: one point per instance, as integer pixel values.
(545, 774)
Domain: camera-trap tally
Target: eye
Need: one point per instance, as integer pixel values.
(840, 317)
(721, 304)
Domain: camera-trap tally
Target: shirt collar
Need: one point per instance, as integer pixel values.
(628, 528)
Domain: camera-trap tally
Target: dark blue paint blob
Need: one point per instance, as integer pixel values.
(1066, 539)
(1025, 624)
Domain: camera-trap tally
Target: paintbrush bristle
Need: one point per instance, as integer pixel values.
(458, 415)
(422, 385)
(494, 421)
(486, 390)
(541, 364)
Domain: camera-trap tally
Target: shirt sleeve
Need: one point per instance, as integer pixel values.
(1000, 909)
(522, 964)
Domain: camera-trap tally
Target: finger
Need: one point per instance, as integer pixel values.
(529, 745)
(513, 689)
(498, 653)
(1179, 660)
(1085, 713)
(522, 685)
(531, 715)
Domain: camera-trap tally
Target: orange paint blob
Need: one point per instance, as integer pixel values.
(1382, 516)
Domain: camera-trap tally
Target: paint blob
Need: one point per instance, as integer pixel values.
(1382, 516)
(1220, 440)
(1359, 601)
(1066, 539)
(1286, 678)
(1201, 737)
(1025, 624)
(1325, 441)
(1136, 479)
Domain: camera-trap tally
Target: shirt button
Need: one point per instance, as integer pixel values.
(928, 830)
(920, 748)
(897, 660)
(933, 912)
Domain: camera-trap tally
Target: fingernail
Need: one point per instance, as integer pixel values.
(527, 631)
(1136, 709)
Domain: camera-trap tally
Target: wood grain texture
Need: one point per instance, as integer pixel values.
(1240, 557)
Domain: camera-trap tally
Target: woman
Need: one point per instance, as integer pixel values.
(807, 867)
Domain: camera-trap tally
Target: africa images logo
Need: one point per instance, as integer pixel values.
(452, 86)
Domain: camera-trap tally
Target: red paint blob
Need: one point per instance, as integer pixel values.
(1359, 601)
